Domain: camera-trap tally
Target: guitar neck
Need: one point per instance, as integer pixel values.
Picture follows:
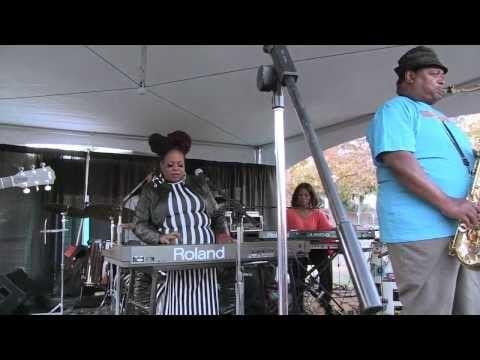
(7, 182)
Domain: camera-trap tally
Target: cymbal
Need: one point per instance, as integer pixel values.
(101, 211)
(59, 208)
(98, 211)
(53, 231)
(128, 226)
(219, 196)
(104, 211)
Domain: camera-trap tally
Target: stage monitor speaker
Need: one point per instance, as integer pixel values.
(11, 296)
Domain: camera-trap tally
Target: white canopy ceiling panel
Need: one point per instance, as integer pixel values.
(462, 61)
(28, 135)
(121, 112)
(173, 63)
(167, 63)
(232, 101)
(42, 70)
(338, 88)
(305, 52)
(208, 91)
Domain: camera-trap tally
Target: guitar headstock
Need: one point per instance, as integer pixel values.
(43, 175)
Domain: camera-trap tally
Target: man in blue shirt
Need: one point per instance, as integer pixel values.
(424, 164)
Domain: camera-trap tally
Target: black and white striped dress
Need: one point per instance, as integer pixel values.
(191, 291)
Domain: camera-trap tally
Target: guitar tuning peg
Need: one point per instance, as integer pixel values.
(47, 188)
(36, 187)
(42, 164)
(21, 168)
(26, 191)
(32, 167)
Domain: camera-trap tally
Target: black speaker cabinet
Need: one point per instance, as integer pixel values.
(11, 296)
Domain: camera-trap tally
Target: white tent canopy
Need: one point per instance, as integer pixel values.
(87, 95)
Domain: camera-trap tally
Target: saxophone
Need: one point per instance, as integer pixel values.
(466, 243)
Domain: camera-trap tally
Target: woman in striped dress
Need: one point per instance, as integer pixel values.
(180, 209)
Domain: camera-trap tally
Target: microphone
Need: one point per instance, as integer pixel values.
(201, 174)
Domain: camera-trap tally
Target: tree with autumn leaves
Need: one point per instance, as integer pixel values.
(352, 167)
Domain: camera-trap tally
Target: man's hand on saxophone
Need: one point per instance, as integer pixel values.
(465, 211)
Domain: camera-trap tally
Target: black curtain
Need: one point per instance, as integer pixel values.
(111, 177)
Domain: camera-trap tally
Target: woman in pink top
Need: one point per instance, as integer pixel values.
(305, 216)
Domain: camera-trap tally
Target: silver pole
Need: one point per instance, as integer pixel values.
(282, 275)
(111, 291)
(114, 298)
(240, 285)
(258, 155)
(62, 263)
(117, 291)
(119, 229)
(87, 168)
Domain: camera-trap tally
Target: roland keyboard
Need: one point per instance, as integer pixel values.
(176, 257)
(321, 240)
(316, 235)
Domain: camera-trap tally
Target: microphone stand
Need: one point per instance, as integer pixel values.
(273, 78)
(122, 205)
(130, 194)
(239, 276)
(115, 285)
(238, 207)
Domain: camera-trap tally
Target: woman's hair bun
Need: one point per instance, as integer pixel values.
(179, 140)
(158, 143)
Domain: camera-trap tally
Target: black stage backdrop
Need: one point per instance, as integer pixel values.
(111, 177)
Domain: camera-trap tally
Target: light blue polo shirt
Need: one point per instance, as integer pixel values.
(414, 126)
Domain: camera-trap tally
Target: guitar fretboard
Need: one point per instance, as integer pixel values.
(6, 182)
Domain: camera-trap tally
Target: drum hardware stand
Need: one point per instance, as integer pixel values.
(63, 230)
(115, 286)
(114, 289)
(240, 275)
(316, 293)
(86, 199)
(86, 202)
